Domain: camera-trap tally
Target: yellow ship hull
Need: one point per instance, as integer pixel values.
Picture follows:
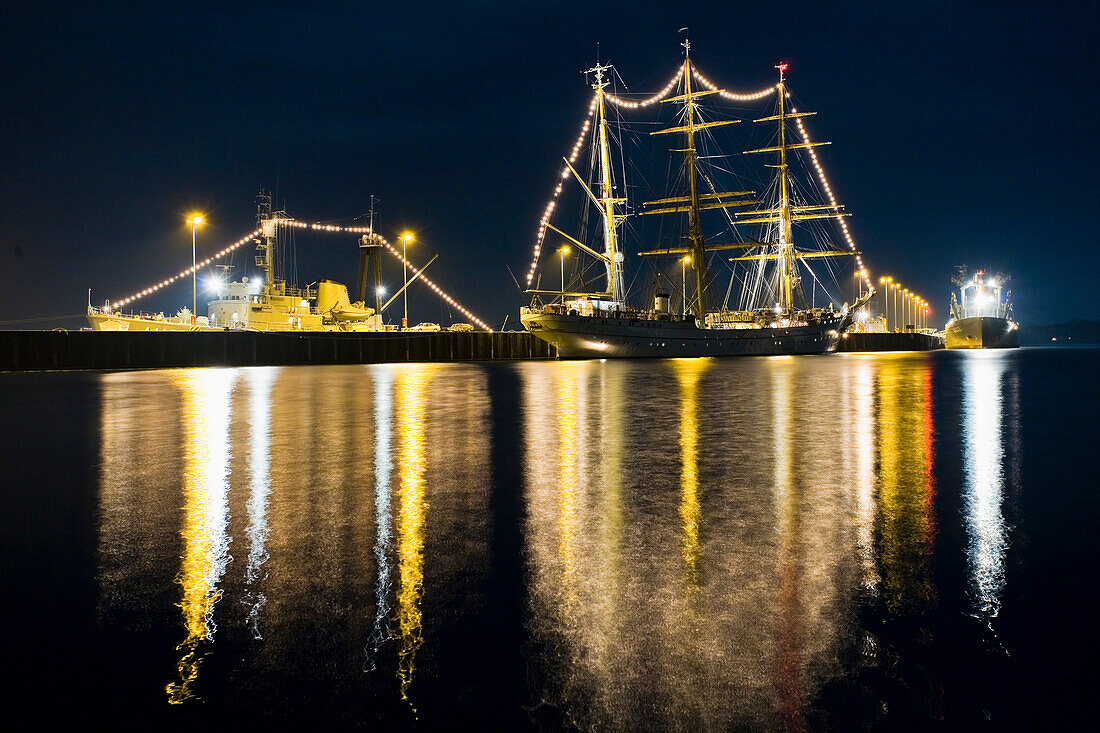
(981, 332)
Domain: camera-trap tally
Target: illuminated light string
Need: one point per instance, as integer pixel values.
(832, 200)
(317, 227)
(366, 230)
(553, 202)
(436, 288)
(183, 273)
(735, 96)
(628, 104)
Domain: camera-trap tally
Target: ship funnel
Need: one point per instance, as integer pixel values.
(331, 296)
(660, 301)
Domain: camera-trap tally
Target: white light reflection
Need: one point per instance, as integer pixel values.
(863, 433)
(383, 466)
(260, 382)
(982, 467)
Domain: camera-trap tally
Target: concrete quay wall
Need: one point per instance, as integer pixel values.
(854, 341)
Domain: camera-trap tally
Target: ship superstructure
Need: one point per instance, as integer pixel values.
(779, 319)
(267, 303)
(981, 314)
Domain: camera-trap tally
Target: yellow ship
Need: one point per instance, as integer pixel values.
(266, 304)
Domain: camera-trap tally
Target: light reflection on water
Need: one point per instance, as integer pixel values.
(985, 413)
(697, 535)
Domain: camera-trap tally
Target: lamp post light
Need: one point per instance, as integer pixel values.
(405, 239)
(905, 307)
(684, 283)
(563, 251)
(195, 221)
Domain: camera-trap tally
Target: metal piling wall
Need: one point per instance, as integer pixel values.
(64, 350)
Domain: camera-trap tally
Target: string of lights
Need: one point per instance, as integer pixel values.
(433, 286)
(316, 227)
(735, 96)
(832, 200)
(635, 104)
(366, 230)
(553, 202)
(184, 273)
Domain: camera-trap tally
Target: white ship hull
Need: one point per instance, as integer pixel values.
(588, 337)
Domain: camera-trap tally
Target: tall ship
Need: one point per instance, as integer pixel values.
(781, 304)
(267, 303)
(981, 315)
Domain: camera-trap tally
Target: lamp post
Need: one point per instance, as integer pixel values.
(684, 283)
(905, 307)
(195, 221)
(405, 239)
(889, 281)
(563, 251)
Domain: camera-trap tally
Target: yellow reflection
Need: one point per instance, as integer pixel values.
(788, 644)
(906, 492)
(410, 393)
(205, 415)
(568, 435)
(688, 371)
(863, 428)
(982, 466)
(260, 382)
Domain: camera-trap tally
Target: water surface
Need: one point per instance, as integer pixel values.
(842, 541)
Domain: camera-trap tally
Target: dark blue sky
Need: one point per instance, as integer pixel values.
(960, 134)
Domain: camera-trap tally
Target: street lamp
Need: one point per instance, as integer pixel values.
(563, 251)
(889, 281)
(905, 307)
(683, 282)
(405, 239)
(195, 220)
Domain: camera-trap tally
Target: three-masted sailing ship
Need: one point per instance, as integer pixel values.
(782, 320)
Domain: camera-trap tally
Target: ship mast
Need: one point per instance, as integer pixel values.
(788, 273)
(695, 227)
(693, 203)
(785, 214)
(607, 201)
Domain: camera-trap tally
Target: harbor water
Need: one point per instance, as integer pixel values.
(846, 541)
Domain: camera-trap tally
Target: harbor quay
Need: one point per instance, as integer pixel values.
(68, 350)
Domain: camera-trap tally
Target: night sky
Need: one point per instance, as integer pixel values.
(960, 134)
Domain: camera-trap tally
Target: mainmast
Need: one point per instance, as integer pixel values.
(695, 226)
(693, 203)
(612, 257)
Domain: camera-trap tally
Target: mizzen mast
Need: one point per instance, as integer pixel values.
(785, 214)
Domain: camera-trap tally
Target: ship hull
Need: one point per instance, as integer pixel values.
(109, 322)
(583, 337)
(981, 332)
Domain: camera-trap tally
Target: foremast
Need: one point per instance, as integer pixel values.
(611, 256)
(613, 259)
